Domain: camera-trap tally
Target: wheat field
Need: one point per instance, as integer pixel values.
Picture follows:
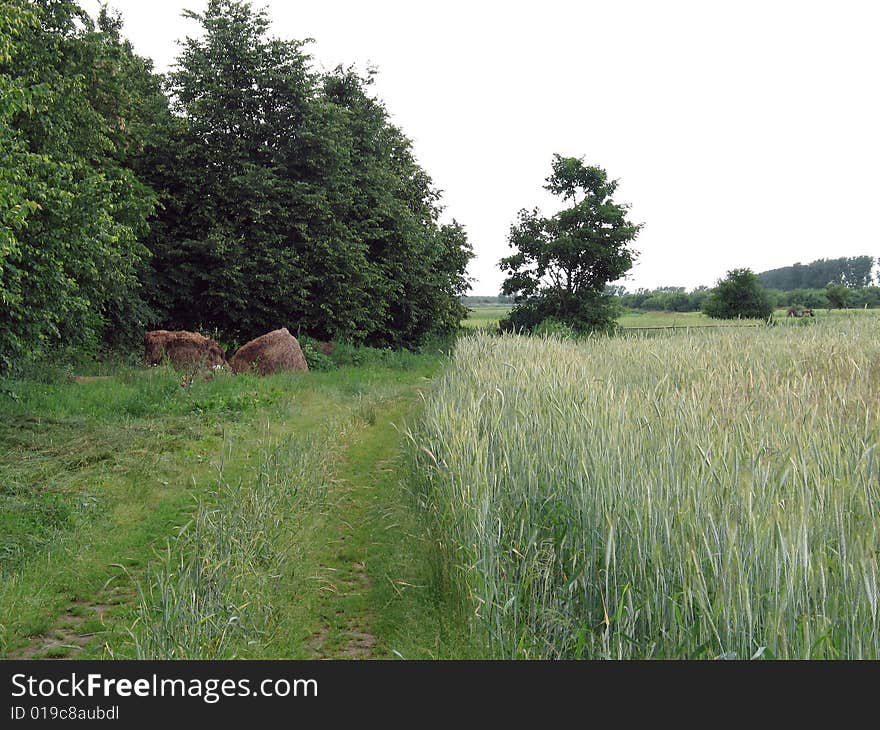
(691, 495)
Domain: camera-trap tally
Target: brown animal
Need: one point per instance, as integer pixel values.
(326, 348)
(807, 313)
(274, 352)
(183, 349)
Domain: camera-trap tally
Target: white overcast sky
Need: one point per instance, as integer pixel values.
(743, 133)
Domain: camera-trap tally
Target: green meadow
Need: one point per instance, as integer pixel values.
(240, 517)
(700, 493)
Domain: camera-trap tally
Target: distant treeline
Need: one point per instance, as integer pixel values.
(854, 272)
(244, 191)
(825, 283)
(666, 299)
(677, 299)
(483, 301)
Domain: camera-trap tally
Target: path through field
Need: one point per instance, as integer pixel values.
(340, 569)
(361, 518)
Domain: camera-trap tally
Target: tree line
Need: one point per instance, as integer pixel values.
(678, 299)
(854, 272)
(243, 191)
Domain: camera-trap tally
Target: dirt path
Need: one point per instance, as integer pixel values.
(83, 623)
(353, 562)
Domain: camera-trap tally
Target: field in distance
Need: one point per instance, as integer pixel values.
(489, 316)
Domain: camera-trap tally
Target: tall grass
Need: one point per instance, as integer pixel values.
(700, 494)
(208, 595)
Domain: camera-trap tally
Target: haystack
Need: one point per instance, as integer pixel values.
(277, 351)
(182, 348)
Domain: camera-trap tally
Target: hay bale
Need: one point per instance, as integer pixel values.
(274, 352)
(183, 349)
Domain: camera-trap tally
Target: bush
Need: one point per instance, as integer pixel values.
(739, 296)
(590, 312)
(838, 296)
(316, 359)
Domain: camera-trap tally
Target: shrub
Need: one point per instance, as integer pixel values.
(739, 296)
(316, 359)
(590, 313)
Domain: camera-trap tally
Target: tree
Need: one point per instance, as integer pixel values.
(73, 211)
(739, 295)
(838, 296)
(854, 272)
(563, 262)
(293, 201)
(142, 129)
(417, 267)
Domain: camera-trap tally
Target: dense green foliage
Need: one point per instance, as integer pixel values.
(739, 295)
(563, 263)
(296, 202)
(73, 212)
(867, 297)
(837, 296)
(854, 272)
(665, 299)
(245, 192)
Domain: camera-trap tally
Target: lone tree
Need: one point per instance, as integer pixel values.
(837, 295)
(563, 263)
(739, 295)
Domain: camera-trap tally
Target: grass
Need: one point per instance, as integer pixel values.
(699, 494)
(488, 317)
(485, 317)
(197, 523)
(632, 318)
(694, 494)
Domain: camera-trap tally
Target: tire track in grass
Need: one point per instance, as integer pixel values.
(345, 608)
(374, 599)
(329, 548)
(377, 597)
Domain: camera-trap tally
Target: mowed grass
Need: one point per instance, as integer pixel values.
(142, 519)
(487, 317)
(700, 494)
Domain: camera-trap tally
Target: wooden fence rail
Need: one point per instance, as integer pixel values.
(688, 327)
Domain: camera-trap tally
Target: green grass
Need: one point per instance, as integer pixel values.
(698, 494)
(669, 319)
(488, 317)
(616, 497)
(485, 317)
(632, 318)
(195, 522)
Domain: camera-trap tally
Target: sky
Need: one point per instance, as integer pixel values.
(743, 134)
